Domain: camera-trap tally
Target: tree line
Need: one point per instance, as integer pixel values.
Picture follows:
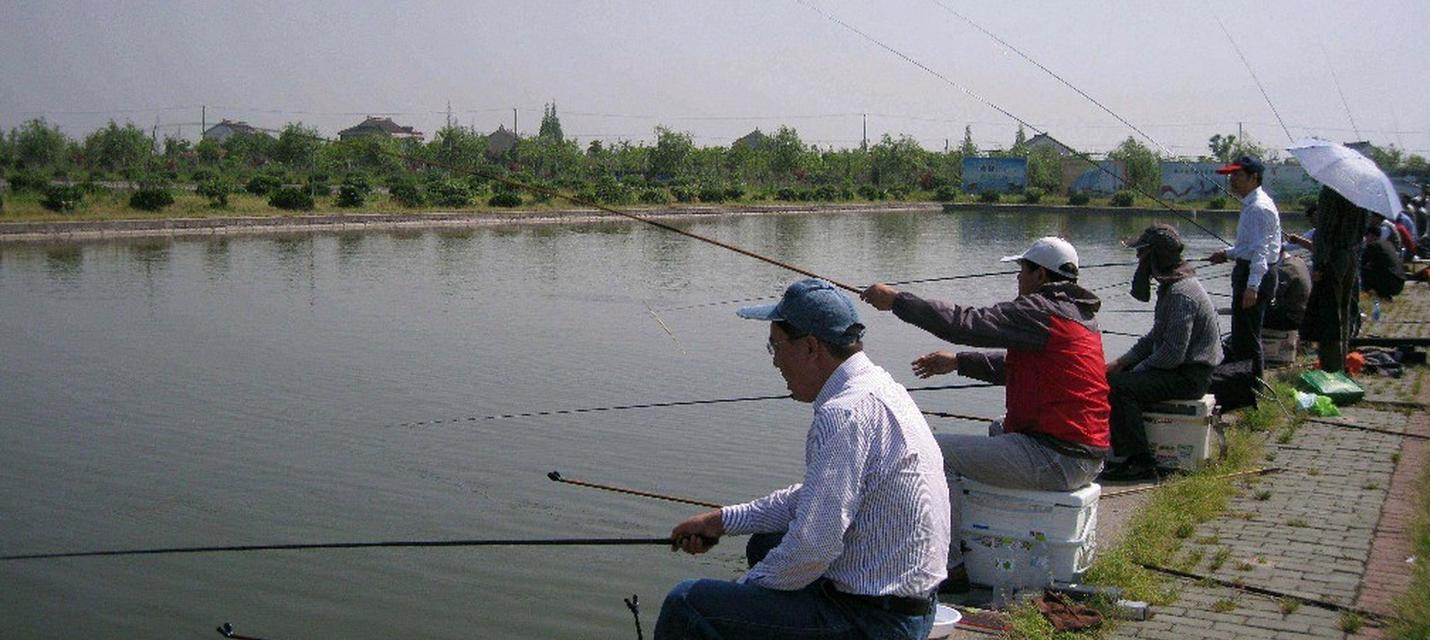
(455, 169)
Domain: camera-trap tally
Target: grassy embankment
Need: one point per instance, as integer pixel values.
(114, 205)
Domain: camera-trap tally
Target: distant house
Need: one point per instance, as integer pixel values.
(1362, 147)
(500, 142)
(226, 129)
(752, 140)
(1044, 140)
(384, 127)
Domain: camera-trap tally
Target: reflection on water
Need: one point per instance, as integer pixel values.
(242, 390)
(63, 262)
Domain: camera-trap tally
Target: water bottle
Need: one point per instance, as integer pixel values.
(1375, 310)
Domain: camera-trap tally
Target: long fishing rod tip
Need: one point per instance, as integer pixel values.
(554, 475)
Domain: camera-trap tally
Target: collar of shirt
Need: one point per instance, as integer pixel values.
(848, 370)
(1252, 196)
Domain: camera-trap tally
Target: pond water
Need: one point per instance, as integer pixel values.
(257, 390)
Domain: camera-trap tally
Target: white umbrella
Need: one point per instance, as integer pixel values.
(1349, 173)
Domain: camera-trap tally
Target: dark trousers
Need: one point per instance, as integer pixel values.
(1246, 323)
(1129, 390)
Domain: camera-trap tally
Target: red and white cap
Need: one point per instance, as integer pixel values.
(1051, 253)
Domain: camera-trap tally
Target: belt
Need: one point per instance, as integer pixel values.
(901, 605)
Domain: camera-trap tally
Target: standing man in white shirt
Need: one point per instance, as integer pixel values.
(859, 547)
(1257, 249)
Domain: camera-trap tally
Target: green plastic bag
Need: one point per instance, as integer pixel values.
(1341, 389)
(1324, 407)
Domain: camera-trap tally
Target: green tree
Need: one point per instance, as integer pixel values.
(1144, 170)
(297, 146)
(209, 152)
(787, 154)
(671, 153)
(254, 150)
(550, 124)
(458, 147)
(1226, 148)
(125, 149)
(1045, 169)
(897, 163)
(37, 145)
(1388, 158)
(968, 149)
(1020, 144)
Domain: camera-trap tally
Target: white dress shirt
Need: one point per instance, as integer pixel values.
(1258, 235)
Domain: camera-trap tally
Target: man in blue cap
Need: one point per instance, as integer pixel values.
(1256, 251)
(858, 548)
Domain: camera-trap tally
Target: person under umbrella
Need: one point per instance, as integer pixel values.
(1335, 261)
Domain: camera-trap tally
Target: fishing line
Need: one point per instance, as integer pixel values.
(518, 542)
(1084, 94)
(1336, 81)
(968, 92)
(962, 276)
(653, 405)
(1253, 77)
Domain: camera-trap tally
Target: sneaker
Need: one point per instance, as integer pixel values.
(957, 581)
(1131, 471)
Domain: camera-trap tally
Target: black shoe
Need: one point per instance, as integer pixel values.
(957, 581)
(1132, 471)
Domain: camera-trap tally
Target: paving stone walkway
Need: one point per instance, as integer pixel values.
(1333, 526)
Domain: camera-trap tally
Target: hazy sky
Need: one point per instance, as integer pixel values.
(718, 69)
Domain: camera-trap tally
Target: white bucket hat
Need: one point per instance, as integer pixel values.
(1050, 253)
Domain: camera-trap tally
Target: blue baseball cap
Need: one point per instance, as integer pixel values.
(814, 307)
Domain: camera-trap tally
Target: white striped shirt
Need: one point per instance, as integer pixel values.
(872, 514)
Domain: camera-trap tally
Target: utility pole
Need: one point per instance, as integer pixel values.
(203, 121)
(864, 144)
(449, 114)
(1238, 131)
(513, 121)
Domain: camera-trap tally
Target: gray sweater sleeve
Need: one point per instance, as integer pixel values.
(1165, 346)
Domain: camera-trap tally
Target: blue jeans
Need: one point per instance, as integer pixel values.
(724, 610)
(719, 609)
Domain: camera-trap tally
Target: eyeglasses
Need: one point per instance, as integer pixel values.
(773, 344)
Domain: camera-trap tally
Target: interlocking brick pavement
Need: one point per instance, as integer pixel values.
(1332, 527)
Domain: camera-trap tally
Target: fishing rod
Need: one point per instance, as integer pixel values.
(226, 630)
(1084, 94)
(990, 104)
(1250, 472)
(1237, 48)
(557, 477)
(956, 416)
(962, 276)
(1359, 427)
(517, 542)
(652, 405)
(1240, 585)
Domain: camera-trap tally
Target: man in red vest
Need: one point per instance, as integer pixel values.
(1055, 434)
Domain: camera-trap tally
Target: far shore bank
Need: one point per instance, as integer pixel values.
(79, 230)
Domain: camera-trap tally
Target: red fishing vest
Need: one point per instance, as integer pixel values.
(1060, 391)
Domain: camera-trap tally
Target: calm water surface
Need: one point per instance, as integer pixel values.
(254, 390)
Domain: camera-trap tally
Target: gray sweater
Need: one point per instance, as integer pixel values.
(1184, 330)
